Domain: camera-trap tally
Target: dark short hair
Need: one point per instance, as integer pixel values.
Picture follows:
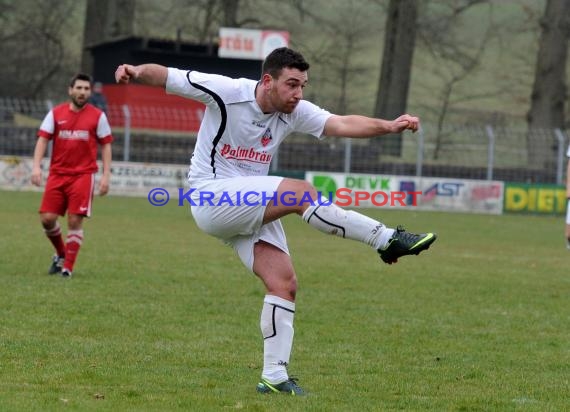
(281, 58)
(80, 76)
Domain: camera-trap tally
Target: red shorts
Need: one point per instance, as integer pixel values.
(73, 194)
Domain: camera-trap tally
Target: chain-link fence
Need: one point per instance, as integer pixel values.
(471, 152)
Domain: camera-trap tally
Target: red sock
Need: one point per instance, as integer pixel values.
(54, 236)
(72, 245)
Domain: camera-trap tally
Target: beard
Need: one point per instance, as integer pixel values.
(285, 107)
(79, 103)
(288, 108)
(281, 106)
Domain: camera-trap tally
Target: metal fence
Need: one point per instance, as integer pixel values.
(476, 151)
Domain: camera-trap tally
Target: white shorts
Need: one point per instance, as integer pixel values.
(232, 209)
(568, 212)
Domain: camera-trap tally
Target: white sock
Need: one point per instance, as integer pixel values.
(277, 331)
(331, 219)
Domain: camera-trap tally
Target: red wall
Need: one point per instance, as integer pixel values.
(151, 108)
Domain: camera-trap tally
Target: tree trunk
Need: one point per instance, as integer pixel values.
(396, 68)
(230, 8)
(105, 20)
(549, 90)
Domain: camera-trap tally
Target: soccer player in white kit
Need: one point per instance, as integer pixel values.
(568, 200)
(234, 199)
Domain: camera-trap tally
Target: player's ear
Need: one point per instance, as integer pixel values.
(266, 80)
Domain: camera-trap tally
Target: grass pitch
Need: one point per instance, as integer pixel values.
(162, 317)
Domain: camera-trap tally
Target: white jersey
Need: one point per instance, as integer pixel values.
(236, 138)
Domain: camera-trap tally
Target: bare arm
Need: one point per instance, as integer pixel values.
(106, 178)
(362, 126)
(39, 153)
(150, 74)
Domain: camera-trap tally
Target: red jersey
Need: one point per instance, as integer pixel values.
(75, 137)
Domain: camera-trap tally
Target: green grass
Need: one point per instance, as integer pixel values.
(161, 317)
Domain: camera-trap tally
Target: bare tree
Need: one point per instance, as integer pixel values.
(37, 46)
(399, 42)
(549, 91)
(105, 20)
(210, 13)
(230, 8)
(193, 20)
(341, 53)
(457, 59)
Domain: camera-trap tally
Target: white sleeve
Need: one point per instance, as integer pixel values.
(48, 125)
(103, 127)
(568, 151)
(310, 118)
(199, 86)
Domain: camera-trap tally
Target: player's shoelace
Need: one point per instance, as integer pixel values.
(407, 238)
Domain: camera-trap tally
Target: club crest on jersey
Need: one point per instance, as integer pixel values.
(266, 138)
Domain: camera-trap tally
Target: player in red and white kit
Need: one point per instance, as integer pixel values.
(76, 129)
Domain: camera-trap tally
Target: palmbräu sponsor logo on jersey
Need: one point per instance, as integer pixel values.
(245, 154)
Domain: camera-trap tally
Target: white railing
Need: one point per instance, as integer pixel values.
(481, 151)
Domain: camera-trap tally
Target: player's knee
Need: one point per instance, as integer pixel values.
(306, 195)
(48, 221)
(286, 288)
(300, 187)
(292, 288)
(308, 190)
(75, 222)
